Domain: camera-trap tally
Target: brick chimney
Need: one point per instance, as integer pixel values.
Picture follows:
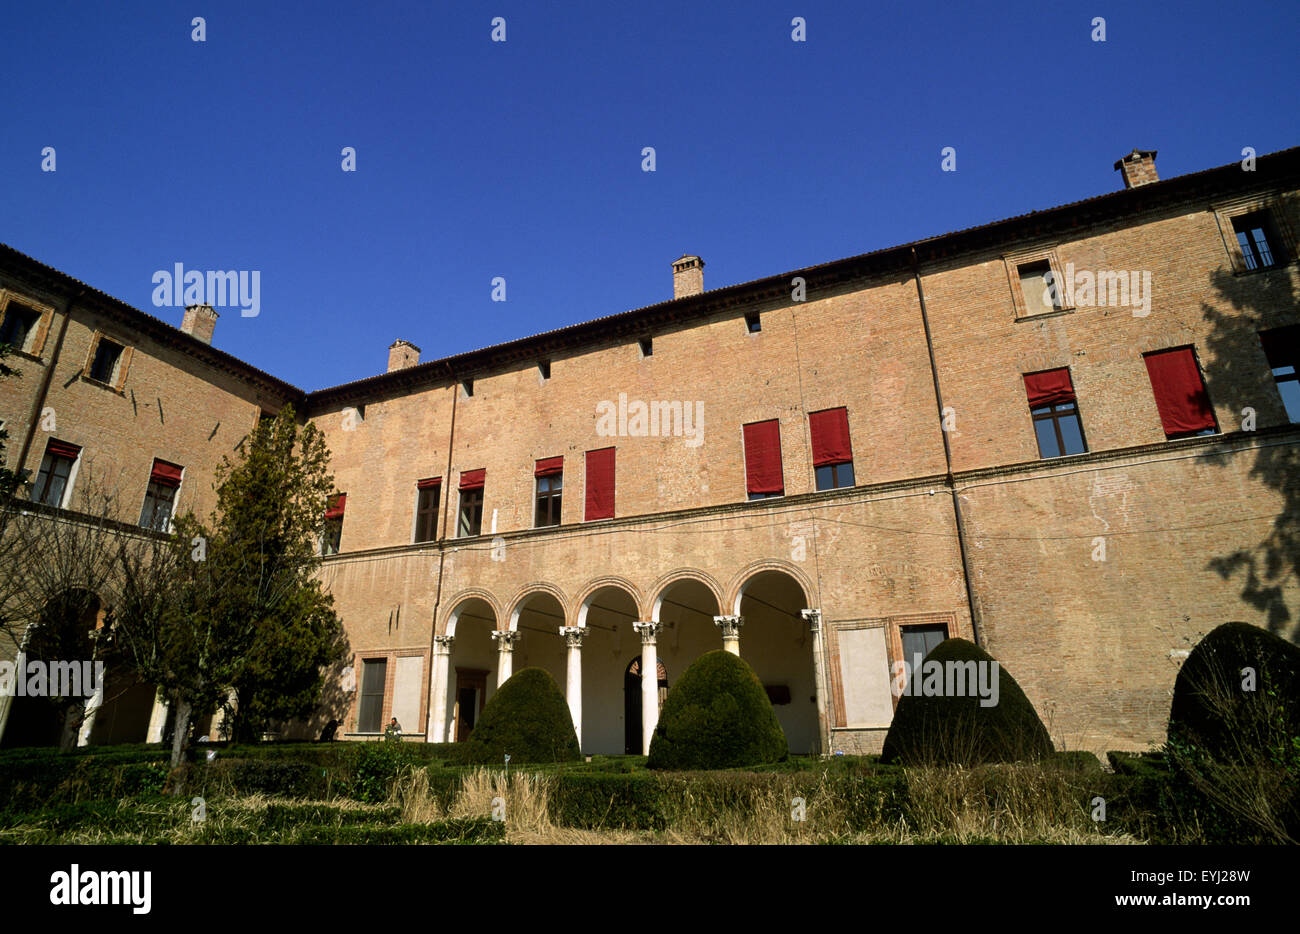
(688, 276)
(1139, 168)
(402, 354)
(199, 321)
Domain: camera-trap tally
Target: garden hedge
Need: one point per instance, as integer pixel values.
(527, 719)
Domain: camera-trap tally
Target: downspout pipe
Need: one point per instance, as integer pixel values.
(949, 480)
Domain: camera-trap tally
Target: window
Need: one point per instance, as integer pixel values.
(550, 476)
(600, 485)
(471, 503)
(19, 325)
(1055, 413)
(763, 474)
(1258, 239)
(160, 497)
(370, 710)
(752, 323)
(647, 346)
(52, 482)
(1180, 393)
(104, 366)
(544, 368)
(427, 494)
(831, 449)
(1282, 347)
(333, 534)
(1039, 288)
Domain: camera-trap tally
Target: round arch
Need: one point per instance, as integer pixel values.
(588, 594)
(665, 583)
(456, 607)
(527, 593)
(741, 582)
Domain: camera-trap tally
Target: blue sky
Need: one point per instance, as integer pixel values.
(523, 159)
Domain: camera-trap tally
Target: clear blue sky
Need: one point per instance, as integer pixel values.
(522, 159)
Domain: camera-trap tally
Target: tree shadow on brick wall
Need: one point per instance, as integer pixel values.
(1237, 373)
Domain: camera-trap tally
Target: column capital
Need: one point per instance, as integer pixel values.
(506, 638)
(730, 625)
(573, 635)
(443, 642)
(813, 618)
(648, 631)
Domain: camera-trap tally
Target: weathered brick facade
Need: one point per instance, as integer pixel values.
(1087, 575)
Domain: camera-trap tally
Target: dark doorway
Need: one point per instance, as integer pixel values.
(471, 690)
(632, 703)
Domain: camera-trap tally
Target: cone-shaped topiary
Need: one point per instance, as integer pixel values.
(528, 719)
(716, 717)
(941, 718)
(1237, 697)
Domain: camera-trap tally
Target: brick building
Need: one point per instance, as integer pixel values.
(1048, 433)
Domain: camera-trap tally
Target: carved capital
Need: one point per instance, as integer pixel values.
(443, 643)
(730, 625)
(573, 635)
(813, 618)
(506, 639)
(648, 631)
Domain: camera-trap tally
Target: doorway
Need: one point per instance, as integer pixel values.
(632, 703)
(471, 691)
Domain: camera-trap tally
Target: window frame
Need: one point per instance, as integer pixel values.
(149, 493)
(552, 498)
(1292, 377)
(66, 492)
(39, 332)
(460, 512)
(430, 513)
(382, 694)
(1226, 213)
(1013, 262)
(1209, 400)
(121, 367)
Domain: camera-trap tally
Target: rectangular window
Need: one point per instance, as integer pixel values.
(600, 484)
(333, 534)
(1037, 285)
(370, 712)
(1282, 347)
(550, 477)
(1180, 394)
(108, 355)
(753, 323)
(19, 325)
(831, 449)
(544, 369)
(647, 346)
(1055, 413)
(471, 502)
(160, 497)
(427, 494)
(51, 485)
(1257, 236)
(467, 385)
(764, 476)
(921, 640)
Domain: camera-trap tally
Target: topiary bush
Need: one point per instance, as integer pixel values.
(527, 718)
(717, 717)
(953, 728)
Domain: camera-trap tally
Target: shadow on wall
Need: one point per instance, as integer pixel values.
(1261, 300)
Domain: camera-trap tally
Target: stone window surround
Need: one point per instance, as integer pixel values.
(1012, 262)
(390, 685)
(1226, 211)
(123, 363)
(42, 329)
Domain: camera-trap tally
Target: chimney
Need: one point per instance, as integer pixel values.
(1139, 168)
(402, 354)
(199, 321)
(688, 276)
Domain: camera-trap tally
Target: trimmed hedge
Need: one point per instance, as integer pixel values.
(528, 719)
(716, 717)
(955, 728)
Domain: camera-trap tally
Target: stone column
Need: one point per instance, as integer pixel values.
(505, 639)
(814, 620)
(730, 626)
(437, 731)
(573, 636)
(649, 682)
(93, 703)
(157, 719)
(7, 700)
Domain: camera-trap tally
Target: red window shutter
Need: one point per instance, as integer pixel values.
(425, 484)
(335, 508)
(600, 484)
(1051, 387)
(62, 449)
(549, 466)
(830, 437)
(473, 479)
(763, 457)
(1180, 393)
(165, 474)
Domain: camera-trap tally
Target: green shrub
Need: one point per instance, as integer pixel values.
(527, 719)
(716, 717)
(1078, 760)
(241, 777)
(375, 766)
(628, 801)
(954, 728)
